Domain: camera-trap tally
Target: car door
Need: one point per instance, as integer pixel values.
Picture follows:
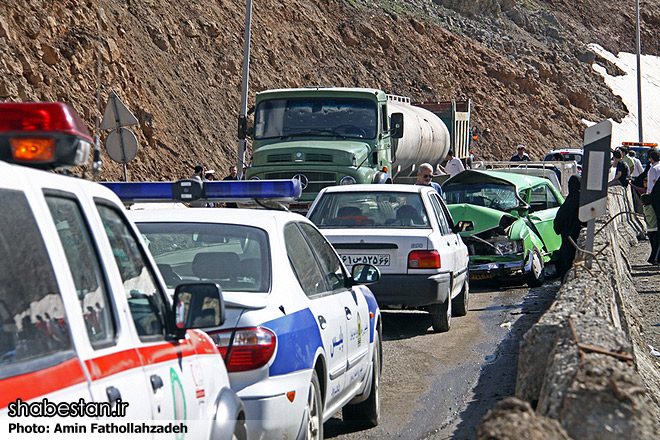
(326, 307)
(113, 364)
(544, 204)
(448, 242)
(355, 306)
(175, 390)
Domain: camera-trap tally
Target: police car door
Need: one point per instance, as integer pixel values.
(324, 305)
(107, 349)
(356, 310)
(37, 353)
(176, 389)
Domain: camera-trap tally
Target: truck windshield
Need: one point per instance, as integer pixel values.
(376, 209)
(316, 116)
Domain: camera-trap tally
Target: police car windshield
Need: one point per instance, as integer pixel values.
(234, 256)
(370, 210)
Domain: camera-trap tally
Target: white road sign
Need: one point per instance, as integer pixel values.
(116, 114)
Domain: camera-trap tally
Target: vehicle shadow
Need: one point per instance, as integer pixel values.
(497, 378)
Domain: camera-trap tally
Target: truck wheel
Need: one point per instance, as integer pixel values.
(368, 411)
(314, 410)
(441, 315)
(460, 304)
(536, 275)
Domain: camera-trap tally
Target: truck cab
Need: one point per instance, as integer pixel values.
(322, 137)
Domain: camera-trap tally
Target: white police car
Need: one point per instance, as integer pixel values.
(85, 321)
(302, 338)
(407, 231)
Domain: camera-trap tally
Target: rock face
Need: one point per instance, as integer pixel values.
(524, 64)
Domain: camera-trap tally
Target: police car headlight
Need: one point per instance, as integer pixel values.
(348, 180)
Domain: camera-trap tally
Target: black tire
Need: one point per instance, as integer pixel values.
(536, 275)
(314, 410)
(459, 306)
(441, 316)
(367, 412)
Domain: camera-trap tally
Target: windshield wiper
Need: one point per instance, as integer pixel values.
(313, 132)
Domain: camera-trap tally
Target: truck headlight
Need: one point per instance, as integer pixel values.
(347, 180)
(254, 178)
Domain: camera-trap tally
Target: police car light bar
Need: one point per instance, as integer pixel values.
(190, 190)
(43, 135)
(640, 144)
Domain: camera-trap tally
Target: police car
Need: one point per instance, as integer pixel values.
(302, 338)
(85, 322)
(407, 231)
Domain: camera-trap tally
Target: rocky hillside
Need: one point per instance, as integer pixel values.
(177, 64)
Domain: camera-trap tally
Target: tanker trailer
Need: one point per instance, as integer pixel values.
(425, 139)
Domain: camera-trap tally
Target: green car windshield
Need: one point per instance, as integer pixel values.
(234, 256)
(316, 116)
(370, 210)
(490, 195)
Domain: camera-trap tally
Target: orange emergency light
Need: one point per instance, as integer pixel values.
(43, 135)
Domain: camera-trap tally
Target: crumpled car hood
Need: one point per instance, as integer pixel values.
(482, 217)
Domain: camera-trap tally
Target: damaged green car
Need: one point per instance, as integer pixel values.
(513, 215)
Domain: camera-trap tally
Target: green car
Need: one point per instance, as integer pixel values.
(513, 214)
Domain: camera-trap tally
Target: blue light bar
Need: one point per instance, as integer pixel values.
(212, 191)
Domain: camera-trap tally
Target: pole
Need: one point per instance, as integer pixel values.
(639, 77)
(244, 92)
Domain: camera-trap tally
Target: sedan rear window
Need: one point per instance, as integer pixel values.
(234, 256)
(370, 210)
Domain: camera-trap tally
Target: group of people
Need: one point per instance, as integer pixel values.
(204, 174)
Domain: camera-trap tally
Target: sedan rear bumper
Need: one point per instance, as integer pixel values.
(411, 289)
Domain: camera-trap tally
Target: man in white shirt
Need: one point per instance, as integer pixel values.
(637, 165)
(453, 166)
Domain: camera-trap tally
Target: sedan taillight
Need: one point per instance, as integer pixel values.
(250, 349)
(424, 260)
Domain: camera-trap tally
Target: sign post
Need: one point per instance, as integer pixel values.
(121, 145)
(595, 171)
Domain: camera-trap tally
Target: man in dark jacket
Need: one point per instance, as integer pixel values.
(567, 224)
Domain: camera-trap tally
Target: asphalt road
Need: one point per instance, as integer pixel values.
(440, 385)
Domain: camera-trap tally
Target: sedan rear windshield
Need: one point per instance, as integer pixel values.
(490, 195)
(370, 210)
(234, 256)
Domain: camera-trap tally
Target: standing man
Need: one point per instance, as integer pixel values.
(520, 155)
(653, 189)
(199, 172)
(453, 166)
(233, 174)
(638, 168)
(567, 224)
(622, 171)
(424, 176)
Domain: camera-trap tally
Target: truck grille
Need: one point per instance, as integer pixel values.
(317, 157)
(316, 180)
(275, 158)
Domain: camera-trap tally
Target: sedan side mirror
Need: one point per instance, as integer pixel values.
(463, 226)
(197, 305)
(365, 274)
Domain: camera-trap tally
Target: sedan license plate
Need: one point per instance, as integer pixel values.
(376, 260)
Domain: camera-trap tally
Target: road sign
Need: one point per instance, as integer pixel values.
(595, 170)
(122, 145)
(116, 114)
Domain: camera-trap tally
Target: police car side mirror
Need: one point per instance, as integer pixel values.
(365, 274)
(198, 305)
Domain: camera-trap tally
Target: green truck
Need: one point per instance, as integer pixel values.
(340, 136)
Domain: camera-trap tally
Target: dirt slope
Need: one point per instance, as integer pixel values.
(178, 65)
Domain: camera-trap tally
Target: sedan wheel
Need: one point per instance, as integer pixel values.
(460, 303)
(536, 275)
(314, 416)
(441, 315)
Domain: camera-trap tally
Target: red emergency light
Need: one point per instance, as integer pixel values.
(43, 135)
(640, 144)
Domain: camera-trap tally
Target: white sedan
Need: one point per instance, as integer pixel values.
(302, 335)
(408, 233)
